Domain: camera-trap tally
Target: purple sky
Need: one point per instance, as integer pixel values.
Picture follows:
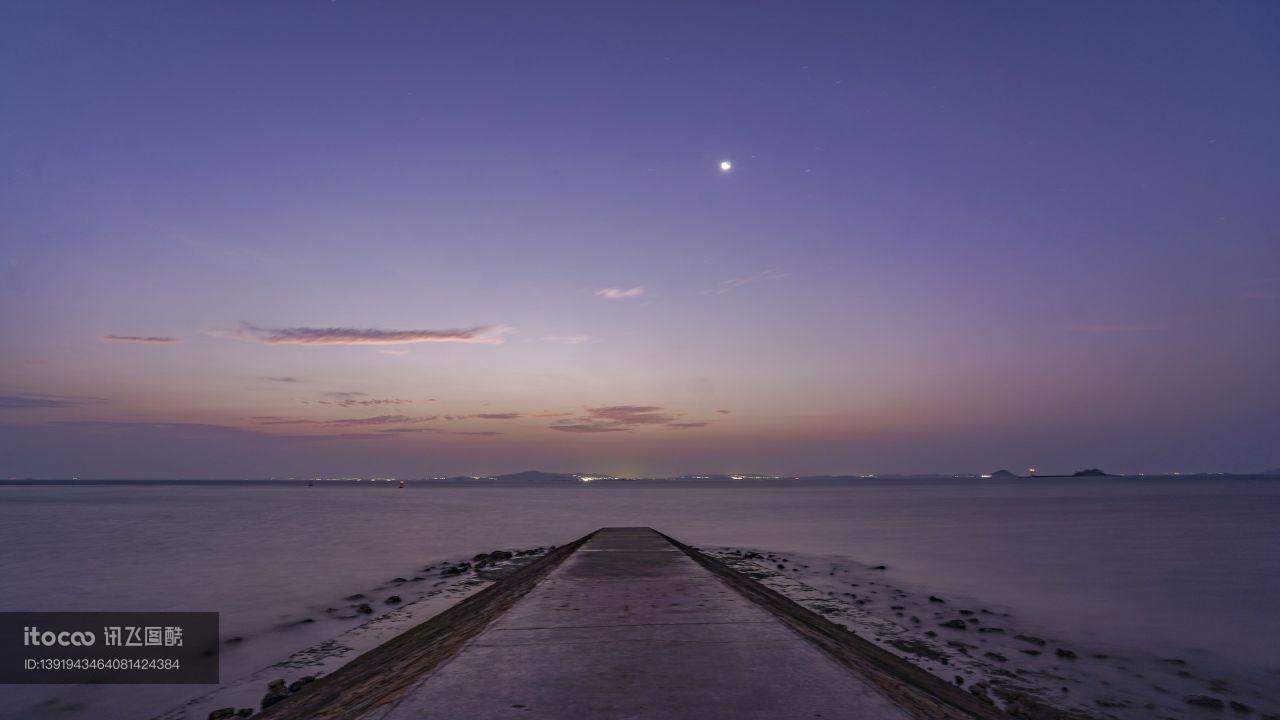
(293, 238)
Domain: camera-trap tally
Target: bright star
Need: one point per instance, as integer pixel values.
(725, 166)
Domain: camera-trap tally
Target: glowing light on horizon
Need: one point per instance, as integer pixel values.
(725, 166)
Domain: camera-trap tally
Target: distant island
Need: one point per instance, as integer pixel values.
(1007, 475)
(537, 476)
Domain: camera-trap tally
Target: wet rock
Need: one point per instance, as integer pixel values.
(1239, 707)
(1112, 702)
(995, 656)
(880, 567)
(364, 609)
(233, 640)
(936, 599)
(276, 691)
(393, 599)
(222, 713)
(979, 690)
(954, 624)
(1065, 653)
(301, 682)
(244, 712)
(399, 580)
(1204, 701)
(1031, 639)
(357, 596)
(966, 612)
(499, 556)
(990, 630)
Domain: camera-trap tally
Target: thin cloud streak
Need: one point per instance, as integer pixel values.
(589, 428)
(1109, 328)
(33, 401)
(623, 418)
(440, 431)
(728, 286)
(376, 420)
(180, 431)
(481, 335)
(142, 339)
(631, 414)
(343, 422)
(351, 402)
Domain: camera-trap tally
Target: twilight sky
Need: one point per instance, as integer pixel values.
(319, 238)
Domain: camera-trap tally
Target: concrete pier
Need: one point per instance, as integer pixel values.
(630, 626)
(629, 623)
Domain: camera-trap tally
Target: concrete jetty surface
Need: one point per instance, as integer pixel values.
(627, 623)
(629, 626)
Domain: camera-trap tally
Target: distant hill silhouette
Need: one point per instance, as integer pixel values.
(1003, 475)
(1091, 472)
(538, 476)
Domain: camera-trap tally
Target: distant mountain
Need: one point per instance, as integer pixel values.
(538, 476)
(1091, 472)
(1003, 475)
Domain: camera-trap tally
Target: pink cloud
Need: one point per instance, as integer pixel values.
(617, 293)
(484, 334)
